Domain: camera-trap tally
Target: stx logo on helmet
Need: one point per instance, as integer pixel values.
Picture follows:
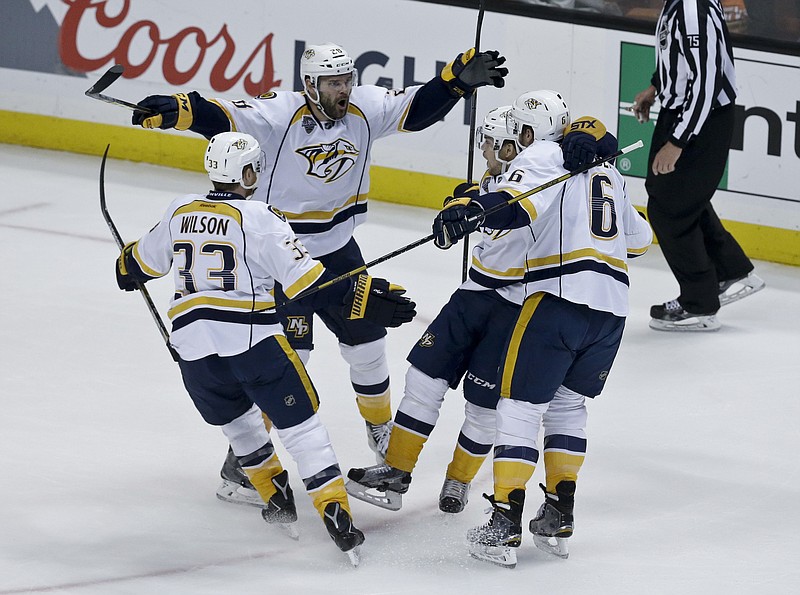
(330, 161)
(298, 326)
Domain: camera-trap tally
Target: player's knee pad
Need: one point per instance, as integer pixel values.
(518, 422)
(566, 414)
(423, 396)
(247, 433)
(309, 445)
(368, 365)
(304, 355)
(479, 423)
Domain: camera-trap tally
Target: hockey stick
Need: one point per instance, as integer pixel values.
(120, 244)
(471, 153)
(585, 167)
(111, 75)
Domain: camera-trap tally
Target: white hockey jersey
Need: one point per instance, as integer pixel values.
(318, 174)
(498, 260)
(226, 254)
(584, 229)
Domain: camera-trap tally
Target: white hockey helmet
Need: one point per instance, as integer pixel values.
(495, 127)
(327, 59)
(229, 153)
(544, 111)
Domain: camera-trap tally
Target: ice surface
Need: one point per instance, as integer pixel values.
(691, 482)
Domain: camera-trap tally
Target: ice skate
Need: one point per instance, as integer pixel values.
(378, 439)
(554, 522)
(281, 510)
(236, 487)
(453, 497)
(671, 316)
(736, 289)
(344, 534)
(380, 485)
(497, 540)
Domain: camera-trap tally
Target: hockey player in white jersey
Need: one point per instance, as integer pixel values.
(226, 253)
(318, 144)
(466, 339)
(569, 328)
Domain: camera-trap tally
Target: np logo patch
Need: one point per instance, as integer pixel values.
(532, 104)
(603, 375)
(289, 400)
(298, 326)
(308, 124)
(330, 161)
(427, 340)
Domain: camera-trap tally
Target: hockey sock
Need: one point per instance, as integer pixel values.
(563, 457)
(260, 467)
(327, 487)
(474, 442)
(369, 375)
(467, 459)
(405, 445)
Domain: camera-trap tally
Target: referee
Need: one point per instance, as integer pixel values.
(695, 83)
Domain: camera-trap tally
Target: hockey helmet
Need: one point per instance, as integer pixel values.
(229, 153)
(327, 59)
(494, 127)
(544, 111)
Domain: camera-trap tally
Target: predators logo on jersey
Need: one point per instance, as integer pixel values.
(329, 161)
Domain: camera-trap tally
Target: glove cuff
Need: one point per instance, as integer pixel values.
(589, 125)
(360, 292)
(185, 115)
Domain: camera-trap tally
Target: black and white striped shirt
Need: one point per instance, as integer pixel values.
(694, 63)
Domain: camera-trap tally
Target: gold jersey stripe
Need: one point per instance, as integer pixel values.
(305, 281)
(325, 215)
(245, 305)
(577, 255)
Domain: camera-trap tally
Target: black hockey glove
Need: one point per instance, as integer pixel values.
(458, 218)
(464, 190)
(470, 71)
(174, 111)
(580, 143)
(124, 280)
(379, 301)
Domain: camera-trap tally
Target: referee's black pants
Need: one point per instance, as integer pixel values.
(698, 249)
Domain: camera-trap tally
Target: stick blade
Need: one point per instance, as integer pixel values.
(111, 75)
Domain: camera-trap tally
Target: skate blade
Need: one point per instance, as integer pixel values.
(289, 529)
(354, 556)
(500, 555)
(697, 324)
(234, 493)
(388, 500)
(555, 546)
(749, 287)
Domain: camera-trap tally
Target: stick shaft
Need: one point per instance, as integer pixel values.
(121, 244)
(465, 258)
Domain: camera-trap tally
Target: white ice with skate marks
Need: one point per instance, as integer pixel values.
(115, 473)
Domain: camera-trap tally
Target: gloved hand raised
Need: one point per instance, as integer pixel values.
(458, 218)
(172, 111)
(471, 70)
(580, 144)
(375, 299)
